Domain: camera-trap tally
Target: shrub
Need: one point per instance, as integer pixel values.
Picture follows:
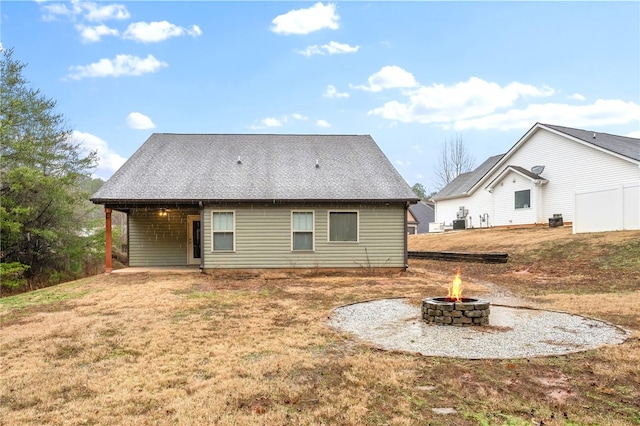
(12, 275)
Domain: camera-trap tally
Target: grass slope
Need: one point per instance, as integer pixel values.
(255, 349)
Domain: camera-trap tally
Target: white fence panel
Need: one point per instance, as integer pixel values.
(612, 209)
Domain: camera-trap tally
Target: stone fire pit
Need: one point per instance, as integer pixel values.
(466, 312)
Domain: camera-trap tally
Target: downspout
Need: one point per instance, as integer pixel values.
(406, 245)
(201, 205)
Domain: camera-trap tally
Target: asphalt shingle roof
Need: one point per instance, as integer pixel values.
(625, 146)
(237, 167)
(465, 181)
(424, 214)
(526, 172)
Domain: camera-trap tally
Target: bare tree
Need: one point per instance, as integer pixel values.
(455, 159)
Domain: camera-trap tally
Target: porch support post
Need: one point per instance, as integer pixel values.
(201, 208)
(406, 237)
(107, 260)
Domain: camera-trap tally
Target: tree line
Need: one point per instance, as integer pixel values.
(47, 223)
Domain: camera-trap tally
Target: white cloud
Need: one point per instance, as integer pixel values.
(99, 13)
(95, 33)
(634, 134)
(152, 32)
(311, 50)
(268, 122)
(121, 65)
(137, 120)
(577, 97)
(108, 160)
(389, 77)
(332, 48)
(323, 123)
(332, 92)
(90, 11)
(278, 122)
(600, 113)
(305, 21)
(464, 100)
(53, 11)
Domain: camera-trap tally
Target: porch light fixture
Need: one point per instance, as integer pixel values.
(163, 212)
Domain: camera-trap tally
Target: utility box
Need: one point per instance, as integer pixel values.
(556, 220)
(459, 224)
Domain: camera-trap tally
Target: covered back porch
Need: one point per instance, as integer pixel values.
(158, 235)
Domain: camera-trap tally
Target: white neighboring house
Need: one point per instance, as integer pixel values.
(592, 179)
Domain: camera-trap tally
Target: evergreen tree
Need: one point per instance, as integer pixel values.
(42, 206)
(419, 190)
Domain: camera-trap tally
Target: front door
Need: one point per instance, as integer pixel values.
(194, 241)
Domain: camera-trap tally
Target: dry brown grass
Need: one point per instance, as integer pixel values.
(255, 349)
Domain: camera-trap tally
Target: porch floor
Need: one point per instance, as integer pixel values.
(158, 269)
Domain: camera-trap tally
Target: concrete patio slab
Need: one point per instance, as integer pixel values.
(159, 269)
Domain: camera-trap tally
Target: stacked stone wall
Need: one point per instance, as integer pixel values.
(468, 312)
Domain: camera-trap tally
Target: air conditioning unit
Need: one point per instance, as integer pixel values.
(436, 226)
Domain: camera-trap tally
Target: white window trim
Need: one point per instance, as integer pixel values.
(514, 199)
(213, 231)
(313, 230)
(357, 212)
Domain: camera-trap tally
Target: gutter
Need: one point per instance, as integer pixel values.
(164, 202)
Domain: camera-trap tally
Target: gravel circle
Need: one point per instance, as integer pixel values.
(394, 324)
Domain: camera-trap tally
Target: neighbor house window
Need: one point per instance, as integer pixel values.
(302, 231)
(343, 226)
(523, 199)
(223, 229)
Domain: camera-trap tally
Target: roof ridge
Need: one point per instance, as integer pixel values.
(587, 130)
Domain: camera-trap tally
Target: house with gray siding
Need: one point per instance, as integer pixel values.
(590, 178)
(255, 201)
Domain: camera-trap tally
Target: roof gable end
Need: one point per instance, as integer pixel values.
(518, 170)
(630, 146)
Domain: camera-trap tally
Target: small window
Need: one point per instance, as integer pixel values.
(523, 199)
(302, 231)
(223, 229)
(343, 226)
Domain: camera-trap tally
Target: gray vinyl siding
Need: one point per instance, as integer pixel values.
(263, 238)
(156, 240)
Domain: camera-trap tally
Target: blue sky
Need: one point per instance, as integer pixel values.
(411, 74)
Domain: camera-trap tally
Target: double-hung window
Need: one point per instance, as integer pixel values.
(523, 199)
(223, 231)
(302, 231)
(343, 226)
